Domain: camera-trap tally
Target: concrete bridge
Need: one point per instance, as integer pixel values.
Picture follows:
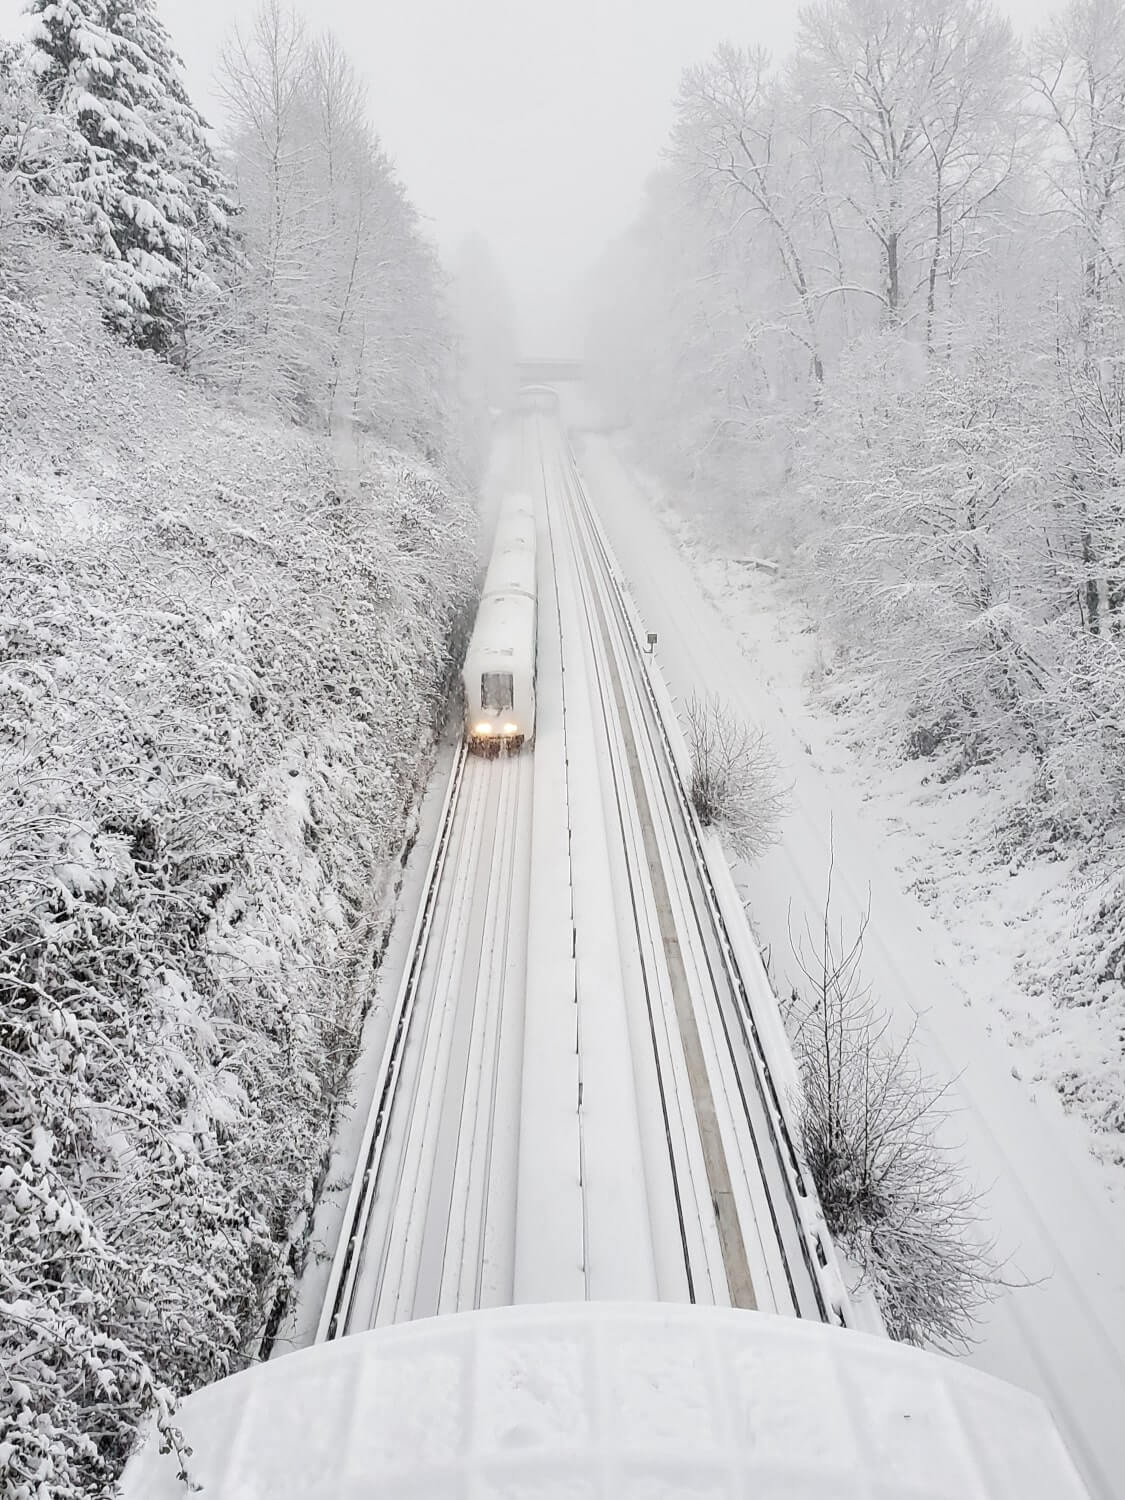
(547, 371)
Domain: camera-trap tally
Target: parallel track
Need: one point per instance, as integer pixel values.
(750, 1138)
(426, 1225)
(430, 1221)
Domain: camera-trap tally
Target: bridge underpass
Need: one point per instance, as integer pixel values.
(548, 371)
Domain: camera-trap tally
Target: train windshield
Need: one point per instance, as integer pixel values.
(496, 692)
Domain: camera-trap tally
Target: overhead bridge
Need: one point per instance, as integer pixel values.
(546, 371)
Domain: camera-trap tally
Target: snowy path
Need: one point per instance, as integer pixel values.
(1063, 1336)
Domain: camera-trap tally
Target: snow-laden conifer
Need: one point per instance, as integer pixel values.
(145, 190)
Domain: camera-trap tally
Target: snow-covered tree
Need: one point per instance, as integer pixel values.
(1078, 82)
(32, 146)
(872, 311)
(917, 94)
(1078, 79)
(341, 303)
(731, 140)
(145, 191)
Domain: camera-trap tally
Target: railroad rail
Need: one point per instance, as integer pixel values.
(756, 1181)
(430, 1222)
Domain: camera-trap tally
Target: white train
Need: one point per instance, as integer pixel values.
(499, 671)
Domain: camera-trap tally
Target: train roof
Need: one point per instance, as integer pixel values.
(504, 635)
(514, 530)
(517, 500)
(511, 572)
(604, 1399)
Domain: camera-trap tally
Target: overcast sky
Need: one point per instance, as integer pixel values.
(532, 122)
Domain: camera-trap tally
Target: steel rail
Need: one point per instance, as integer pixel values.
(697, 1271)
(792, 1170)
(357, 1213)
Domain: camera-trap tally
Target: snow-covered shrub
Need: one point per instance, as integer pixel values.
(734, 778)
(220, 671)
(870, 1120)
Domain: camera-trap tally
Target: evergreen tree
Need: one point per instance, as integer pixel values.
(149, 197)
(208, 207)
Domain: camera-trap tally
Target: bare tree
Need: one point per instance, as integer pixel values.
(1078, 77)
(734, 778)
(920, 96)
(342, 309)
(729, 138)
(894, 1196)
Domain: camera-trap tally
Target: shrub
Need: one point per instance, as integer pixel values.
(734, 778)
(894, 1196)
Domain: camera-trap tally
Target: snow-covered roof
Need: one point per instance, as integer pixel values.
(512, 569)
(514, 529)
(610, 1401)
(504, 634)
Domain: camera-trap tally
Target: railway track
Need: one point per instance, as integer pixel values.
(682, 1182)
(749, 1231)
(427, 1224)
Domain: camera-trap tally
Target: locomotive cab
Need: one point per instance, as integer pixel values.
(498, 726)
(499, 675)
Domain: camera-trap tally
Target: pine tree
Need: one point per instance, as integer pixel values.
(148, 196)
(208, 207)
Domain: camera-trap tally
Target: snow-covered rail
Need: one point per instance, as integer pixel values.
(749, 1231)
(428, 1215)
(630, 1140)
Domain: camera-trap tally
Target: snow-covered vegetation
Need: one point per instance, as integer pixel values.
(872, 309)
(735, 782)
(486, 320)
(894, 1195)
(233, 564)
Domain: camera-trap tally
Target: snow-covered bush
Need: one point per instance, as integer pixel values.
(735, 783)
(870, 1124)
(220, 671)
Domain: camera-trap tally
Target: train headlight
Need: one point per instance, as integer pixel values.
(482, 729)
(510, 728)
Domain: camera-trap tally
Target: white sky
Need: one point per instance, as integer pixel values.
(532, 122)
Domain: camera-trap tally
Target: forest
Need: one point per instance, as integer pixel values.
(869, 320)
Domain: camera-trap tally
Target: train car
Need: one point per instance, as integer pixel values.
(499, 672)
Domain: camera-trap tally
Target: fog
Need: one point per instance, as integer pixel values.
(533, 125)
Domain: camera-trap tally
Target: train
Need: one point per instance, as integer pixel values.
(498, 677)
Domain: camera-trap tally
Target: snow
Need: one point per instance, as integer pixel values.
(1059, 1327)
(548, 1250)
(624, 1401)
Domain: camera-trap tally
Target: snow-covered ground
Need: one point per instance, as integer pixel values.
(1059, 1328)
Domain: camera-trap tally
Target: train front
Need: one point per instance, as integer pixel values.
(499, 675)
